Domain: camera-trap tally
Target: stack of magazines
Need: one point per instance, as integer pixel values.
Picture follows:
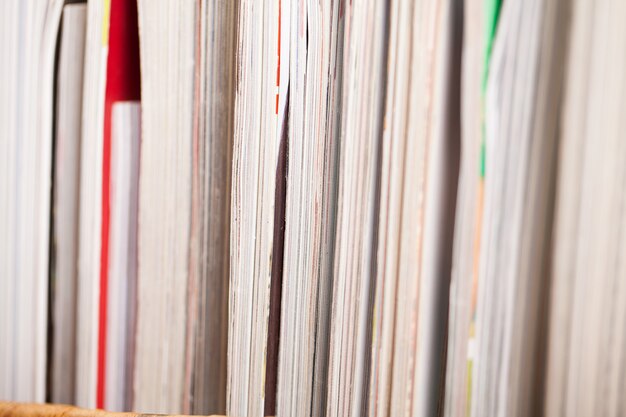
(314, 208)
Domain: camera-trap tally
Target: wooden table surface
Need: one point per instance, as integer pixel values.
(10, 409)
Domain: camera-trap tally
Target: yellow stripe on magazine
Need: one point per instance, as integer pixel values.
(105, 22)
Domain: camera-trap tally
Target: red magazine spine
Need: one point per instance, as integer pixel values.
(122, 84)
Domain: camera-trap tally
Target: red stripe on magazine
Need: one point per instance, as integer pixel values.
(122, 85)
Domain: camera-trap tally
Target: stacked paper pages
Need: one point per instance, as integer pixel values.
(314, 208)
